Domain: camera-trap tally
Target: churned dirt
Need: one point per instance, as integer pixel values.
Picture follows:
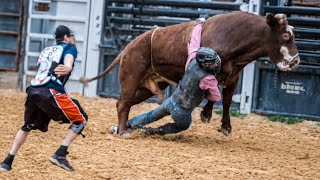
(257, 149)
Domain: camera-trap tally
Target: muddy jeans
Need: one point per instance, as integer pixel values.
(181, 116)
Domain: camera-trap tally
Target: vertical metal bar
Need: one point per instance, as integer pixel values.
(19, 35)
(26, 59)
(248, 71)
(91, 64)
(25, 4)
(86, 45)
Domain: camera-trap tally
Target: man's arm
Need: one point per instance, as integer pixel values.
(66, 68)
(210, 84)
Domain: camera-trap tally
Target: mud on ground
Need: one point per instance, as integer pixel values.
(257, 149)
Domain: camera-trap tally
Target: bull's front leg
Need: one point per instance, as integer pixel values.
(206, 113)
(227, 93)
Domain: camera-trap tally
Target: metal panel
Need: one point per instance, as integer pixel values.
(11, 12)
(44, 17)
(111, 81)
(126, 19)
(294, 93)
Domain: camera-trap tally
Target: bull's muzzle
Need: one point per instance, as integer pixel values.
(295, 61)
(290, 63)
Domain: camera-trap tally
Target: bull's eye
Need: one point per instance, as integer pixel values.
(286, 36)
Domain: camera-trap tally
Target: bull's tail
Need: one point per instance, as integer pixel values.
(109, 68)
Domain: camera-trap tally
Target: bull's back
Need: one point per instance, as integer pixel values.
(169, 44)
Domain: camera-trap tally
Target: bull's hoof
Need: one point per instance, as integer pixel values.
(225, 131)
(205, 118)
(126, 135)
(115, 129)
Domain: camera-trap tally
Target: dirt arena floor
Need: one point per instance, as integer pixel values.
(258, 148)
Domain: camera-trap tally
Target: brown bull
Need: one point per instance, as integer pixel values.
(157, 58)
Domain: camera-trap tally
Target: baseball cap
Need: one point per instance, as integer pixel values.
(61, 31)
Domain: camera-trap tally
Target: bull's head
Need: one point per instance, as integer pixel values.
(283, 50)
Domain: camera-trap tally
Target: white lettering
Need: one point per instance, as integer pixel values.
(292, 87)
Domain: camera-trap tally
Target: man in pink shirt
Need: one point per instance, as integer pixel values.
(209, 82)
(198, 82)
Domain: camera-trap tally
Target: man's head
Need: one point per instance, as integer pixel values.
(208, 60)
(64, 34)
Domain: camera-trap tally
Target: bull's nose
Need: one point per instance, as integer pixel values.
(295, 62)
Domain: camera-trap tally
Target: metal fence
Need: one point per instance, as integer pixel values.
(11, 15)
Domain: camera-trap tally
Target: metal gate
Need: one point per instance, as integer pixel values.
(295, 93)
(44, 17)
(11, 14)
(126, 19)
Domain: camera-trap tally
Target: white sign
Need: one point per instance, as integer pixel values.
(292, 87)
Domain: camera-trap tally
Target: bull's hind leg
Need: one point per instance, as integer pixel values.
(131, 71)
(226, 101)
(124, 105)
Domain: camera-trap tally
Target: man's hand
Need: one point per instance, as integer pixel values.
(62, 70)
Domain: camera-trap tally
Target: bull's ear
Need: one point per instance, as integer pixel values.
(271, 21)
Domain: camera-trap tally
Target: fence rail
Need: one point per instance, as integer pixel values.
(183, 3)
(162, 12)
(293, 10)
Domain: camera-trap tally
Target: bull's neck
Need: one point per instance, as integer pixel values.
(251, 48)
(238, 42)
(246, 52)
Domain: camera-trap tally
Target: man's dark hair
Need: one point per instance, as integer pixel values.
(61, 31)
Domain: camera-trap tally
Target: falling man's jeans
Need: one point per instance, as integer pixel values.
(181, 116)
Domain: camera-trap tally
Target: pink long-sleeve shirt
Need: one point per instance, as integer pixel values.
(209, 83)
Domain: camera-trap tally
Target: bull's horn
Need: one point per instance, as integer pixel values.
(280, 18)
